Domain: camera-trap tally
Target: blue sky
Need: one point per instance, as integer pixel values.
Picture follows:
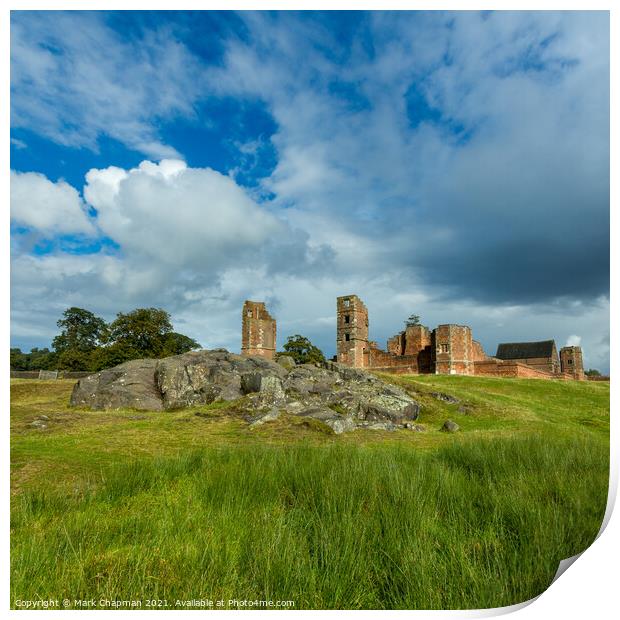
(449, 164)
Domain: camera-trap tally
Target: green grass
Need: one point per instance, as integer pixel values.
(175, 506)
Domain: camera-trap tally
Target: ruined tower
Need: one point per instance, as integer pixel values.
(352, 331)
(454, 351)
(571, 362)
(258, 330)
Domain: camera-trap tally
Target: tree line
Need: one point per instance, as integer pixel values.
(86, 342)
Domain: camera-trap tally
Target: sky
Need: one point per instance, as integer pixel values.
(453, 165)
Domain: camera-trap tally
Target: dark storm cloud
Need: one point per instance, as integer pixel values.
(521, 271)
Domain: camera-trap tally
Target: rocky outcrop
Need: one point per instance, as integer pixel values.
(342, 398)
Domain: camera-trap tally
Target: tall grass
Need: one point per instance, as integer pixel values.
(476, 524)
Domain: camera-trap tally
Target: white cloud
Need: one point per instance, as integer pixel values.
(50, 208)
(178, 218)
(74, 80)
(190, 240)
(573, 341)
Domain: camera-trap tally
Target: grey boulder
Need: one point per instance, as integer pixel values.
(129, 385)
(450, 427)
(343, 398)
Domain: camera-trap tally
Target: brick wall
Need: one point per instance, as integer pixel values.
(512, 369)
(396, 344)
(478, 352)
(352, 332)
(571, 362)
(379, 359)
(258, 330)
(417, 338)
(546, 364)
(453, 350)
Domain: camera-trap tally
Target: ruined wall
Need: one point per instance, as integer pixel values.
(546, 364)
(258, 330)
(396, 344)
(478, 352)
(571, 362)
(453, 350)
(417, 338)
(411, 341)
(389, 362)
(352, 331)
(511, 369)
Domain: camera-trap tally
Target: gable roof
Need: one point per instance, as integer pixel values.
(525, 350)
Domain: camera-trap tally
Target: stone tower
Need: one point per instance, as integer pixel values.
(571, 362)
(258, 330)
(352, 331)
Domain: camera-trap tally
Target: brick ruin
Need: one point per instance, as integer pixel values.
(571, 362)
(447, 350)
(258, 330)
(541, 355)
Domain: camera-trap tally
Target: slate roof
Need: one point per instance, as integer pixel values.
(525, 350)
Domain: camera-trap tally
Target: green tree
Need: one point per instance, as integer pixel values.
(111, 355)
(302, 350)
(175, 344)
(86, 342)
(413, 320)
(19, 360)
(74, 359)
(42, 359)
(81, 331)
(592, 372)
(143, 332)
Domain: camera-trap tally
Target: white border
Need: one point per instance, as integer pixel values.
(587, 588)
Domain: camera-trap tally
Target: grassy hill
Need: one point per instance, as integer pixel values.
(194, 504)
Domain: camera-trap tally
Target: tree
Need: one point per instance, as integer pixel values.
(302, 350)
(87, 342)
(37, 359)
(413, 320)
(142, 332)
(19, 360)
(592, 372)
(82, 331)
(41, 359)
(110, 355)
(74, 359)
(175, 344)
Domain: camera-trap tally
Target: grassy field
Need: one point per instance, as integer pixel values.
(170, 507)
